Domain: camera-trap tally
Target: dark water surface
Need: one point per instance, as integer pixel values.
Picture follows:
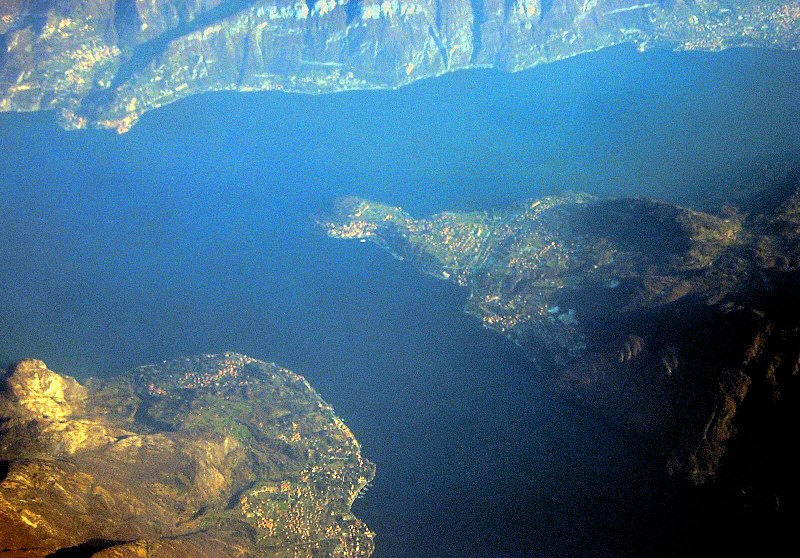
(192, 234)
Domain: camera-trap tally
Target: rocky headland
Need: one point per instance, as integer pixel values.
(103, 63)
(675, 324)
(209, 456)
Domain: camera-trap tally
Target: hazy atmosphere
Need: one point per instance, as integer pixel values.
(195, 233)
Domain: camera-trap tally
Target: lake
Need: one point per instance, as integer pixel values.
(194, 233)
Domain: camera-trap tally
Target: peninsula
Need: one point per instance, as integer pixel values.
(670, 322)
(207, 456)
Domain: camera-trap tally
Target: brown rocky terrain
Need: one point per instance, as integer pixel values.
(219, 455)
(673, 323)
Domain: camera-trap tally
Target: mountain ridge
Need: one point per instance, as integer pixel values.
(201, 456)
(104, 63)
(662, 319)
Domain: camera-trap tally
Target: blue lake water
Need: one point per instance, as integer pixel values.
(193, 234)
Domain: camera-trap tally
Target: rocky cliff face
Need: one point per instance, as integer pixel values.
(105, 62)
(663, 319)
(219, 455)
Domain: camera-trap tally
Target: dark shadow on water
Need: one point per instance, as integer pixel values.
(755, 186)
(4, 468)
(5, 361)
(84, 550)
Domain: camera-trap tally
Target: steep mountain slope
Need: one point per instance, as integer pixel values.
(105, 62)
